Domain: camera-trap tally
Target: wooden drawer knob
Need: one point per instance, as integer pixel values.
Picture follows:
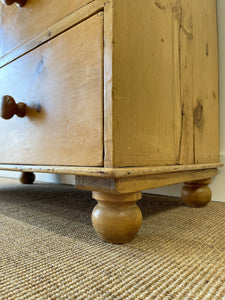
(18, 2)
(9, 108)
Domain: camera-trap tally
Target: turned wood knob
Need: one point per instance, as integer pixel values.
(9, 108)
(18, 2)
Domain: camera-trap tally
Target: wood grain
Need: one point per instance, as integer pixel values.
(146, 104)
(108, 86)
(62, 25)
(18, 25)
(186, 81)
(62, 83)
(108, 172)
(133, 184)
(205, 75)
(125, 185)
(161, 69)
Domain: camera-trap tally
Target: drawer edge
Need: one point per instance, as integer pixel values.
(64, 24)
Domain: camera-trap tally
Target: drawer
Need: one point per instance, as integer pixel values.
(61, 83)
(18, 25)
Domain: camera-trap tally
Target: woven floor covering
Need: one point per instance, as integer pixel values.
(49, 250)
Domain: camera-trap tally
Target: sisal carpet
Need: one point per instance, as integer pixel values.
(49, 250)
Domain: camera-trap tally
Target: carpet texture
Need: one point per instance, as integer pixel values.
(49, 250)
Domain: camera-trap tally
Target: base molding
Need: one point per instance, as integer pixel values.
(108, 172)
(139, 183)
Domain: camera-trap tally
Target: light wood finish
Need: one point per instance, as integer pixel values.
(27, 178)
(108, 85)
(54, 30)
(205, 78)
(145, 99)
(116, 218)
(154, 181)
(139, 183)
(153, 86)
(20, 25)
(108, 172)
(183, 11)
(65, 123)
(197, 193)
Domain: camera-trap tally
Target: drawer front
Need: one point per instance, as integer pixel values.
(62, 84)
(18, 25)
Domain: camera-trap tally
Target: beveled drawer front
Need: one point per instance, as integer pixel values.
(18, 25)
(61, 82)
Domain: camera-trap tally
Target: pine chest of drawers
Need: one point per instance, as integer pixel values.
(122, 94)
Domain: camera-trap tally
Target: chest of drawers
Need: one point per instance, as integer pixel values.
(122, 94)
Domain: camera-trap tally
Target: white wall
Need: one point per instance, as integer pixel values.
(218, 184)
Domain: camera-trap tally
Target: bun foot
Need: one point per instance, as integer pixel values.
(27, 177)
(117, 218)
(197, 193)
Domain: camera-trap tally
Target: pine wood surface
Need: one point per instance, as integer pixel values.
(205, 81)
(62, 84)
(129, 120)
(52, 31)
(184, 65)
(157, 83)
(146, 113)
(18, 25)
(108, 172)
(108, 86)
(139, 183)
